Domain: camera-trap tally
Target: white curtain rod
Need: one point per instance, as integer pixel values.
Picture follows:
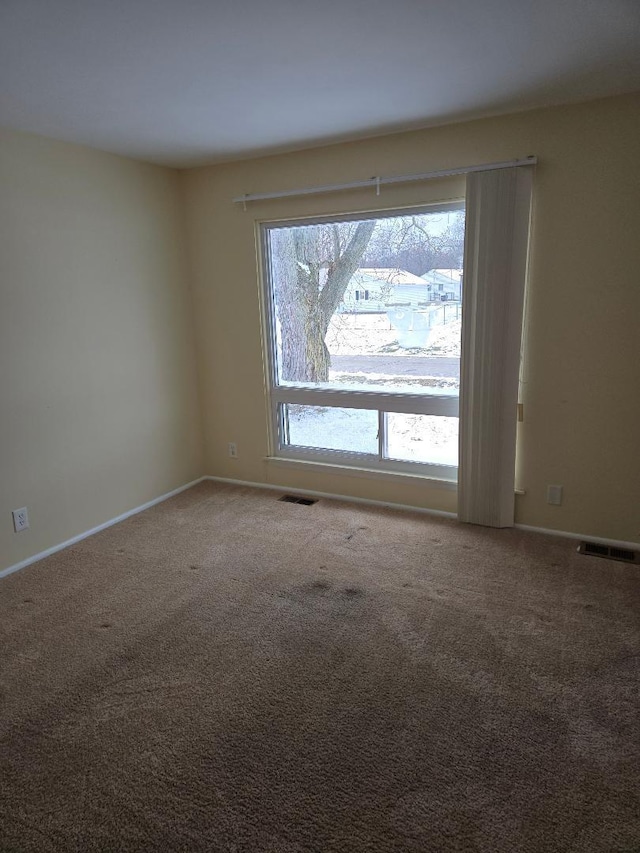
(378, 182)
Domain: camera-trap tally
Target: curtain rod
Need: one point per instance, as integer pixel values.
(378, 182)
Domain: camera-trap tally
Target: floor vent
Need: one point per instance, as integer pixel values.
(595, 549)
(295, 499)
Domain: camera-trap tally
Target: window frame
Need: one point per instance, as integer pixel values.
(438, 404)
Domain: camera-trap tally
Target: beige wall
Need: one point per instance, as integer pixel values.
(99, 404)
(582, 369)
(97, 367)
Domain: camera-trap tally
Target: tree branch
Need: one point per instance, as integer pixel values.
(340, 272)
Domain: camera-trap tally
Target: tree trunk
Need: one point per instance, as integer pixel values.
(290, 319)
(304, 307)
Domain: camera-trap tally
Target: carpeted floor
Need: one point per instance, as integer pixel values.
(227, 672)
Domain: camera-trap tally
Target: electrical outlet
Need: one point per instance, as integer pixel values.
(233, 450)
(554, 495)
(20, 519)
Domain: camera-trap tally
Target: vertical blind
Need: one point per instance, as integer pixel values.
(498, 211)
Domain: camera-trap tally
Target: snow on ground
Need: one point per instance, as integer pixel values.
(414, 438)
(411, 438)
(373, 334)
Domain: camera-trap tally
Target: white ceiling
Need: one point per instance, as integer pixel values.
(184, 82)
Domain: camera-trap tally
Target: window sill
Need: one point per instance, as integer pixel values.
(366, 473)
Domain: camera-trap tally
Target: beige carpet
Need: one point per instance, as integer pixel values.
(227, 672)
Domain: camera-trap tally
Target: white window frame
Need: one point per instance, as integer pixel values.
(439, 404)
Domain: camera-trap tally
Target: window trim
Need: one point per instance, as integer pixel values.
(439, 404)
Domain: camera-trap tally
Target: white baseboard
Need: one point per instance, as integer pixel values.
(314, 494)
(55, 548)
(614, 543)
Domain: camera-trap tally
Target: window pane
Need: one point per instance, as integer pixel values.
(422, 438)
(369, 305)
(330, 428)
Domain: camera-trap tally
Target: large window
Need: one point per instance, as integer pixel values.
(364, 329)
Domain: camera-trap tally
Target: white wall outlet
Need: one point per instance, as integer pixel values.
(554, 495)
(20, 519)
(233, 450)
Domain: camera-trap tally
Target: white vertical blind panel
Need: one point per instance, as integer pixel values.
(498, 208)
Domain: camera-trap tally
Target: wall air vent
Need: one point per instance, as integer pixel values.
(296, 499)
(595, 549)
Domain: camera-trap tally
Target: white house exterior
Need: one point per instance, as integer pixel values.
(378, 289)
(373, 289)
(444, 285)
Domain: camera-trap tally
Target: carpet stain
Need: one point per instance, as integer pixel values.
(301, 696)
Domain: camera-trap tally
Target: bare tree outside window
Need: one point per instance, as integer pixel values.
(312, 266)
